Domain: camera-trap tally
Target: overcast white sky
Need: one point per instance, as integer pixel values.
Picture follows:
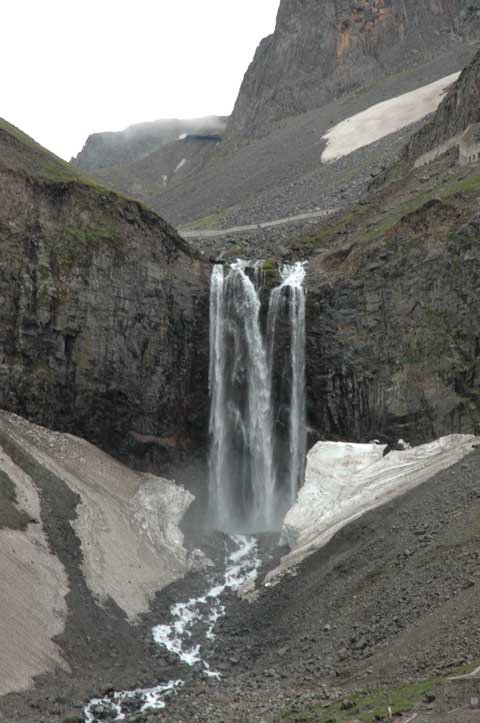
(74, 67)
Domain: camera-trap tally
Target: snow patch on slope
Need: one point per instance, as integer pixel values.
(384, 118)
(180, 165)
(344, 481)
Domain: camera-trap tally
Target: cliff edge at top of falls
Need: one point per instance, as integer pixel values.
(322, 50)
(103, 315)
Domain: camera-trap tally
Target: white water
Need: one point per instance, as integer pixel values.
(293, 278)
(241, 566)
(217, 427)
(254, 477)
(148, 699)
(241, 473)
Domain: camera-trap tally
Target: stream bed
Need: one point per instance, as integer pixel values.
(241, 566)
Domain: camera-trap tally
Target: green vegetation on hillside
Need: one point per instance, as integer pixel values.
(357, 223)
(79, 243)
(371, 705)
(208, 223)
(44, 163)
(367, 705)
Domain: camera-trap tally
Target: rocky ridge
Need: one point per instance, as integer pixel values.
(324, 63)
(320, 51)
(458, 110)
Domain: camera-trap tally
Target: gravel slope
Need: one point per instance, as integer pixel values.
(392, 598)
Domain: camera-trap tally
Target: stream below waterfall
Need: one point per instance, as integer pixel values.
(241, 566)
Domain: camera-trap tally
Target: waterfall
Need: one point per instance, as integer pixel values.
(288, 300)
(249, 490)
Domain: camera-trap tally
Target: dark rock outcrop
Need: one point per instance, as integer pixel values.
(393, 325)
(104, 308)
(322, 50)
(459, 109)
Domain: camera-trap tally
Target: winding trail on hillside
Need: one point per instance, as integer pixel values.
(215, 233)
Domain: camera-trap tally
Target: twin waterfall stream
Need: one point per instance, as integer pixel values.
(257, 452)
(257, 389)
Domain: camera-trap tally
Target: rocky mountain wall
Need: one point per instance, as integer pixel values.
(393, 343)
(104, 310)
(322, 50)
(459, 109)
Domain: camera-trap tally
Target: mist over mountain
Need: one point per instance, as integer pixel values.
(102, 150)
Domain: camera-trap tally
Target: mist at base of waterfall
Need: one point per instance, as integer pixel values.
(257, 395)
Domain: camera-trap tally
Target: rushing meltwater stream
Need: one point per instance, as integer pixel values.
(241, 565)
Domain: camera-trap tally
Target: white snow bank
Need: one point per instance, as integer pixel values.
(344, 481)
(331, 467)
(384, 118)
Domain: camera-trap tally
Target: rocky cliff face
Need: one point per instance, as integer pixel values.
(459, 109)
(103, 315)
(321, 50)
(104, 150)
(393, 345)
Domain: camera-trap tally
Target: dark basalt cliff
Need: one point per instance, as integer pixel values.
(104, 308)
(321, 50)
(393, 323)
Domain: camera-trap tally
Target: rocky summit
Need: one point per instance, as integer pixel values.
(240, 461)
(322, 50)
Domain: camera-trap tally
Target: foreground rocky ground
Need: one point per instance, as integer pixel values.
(392, 599)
